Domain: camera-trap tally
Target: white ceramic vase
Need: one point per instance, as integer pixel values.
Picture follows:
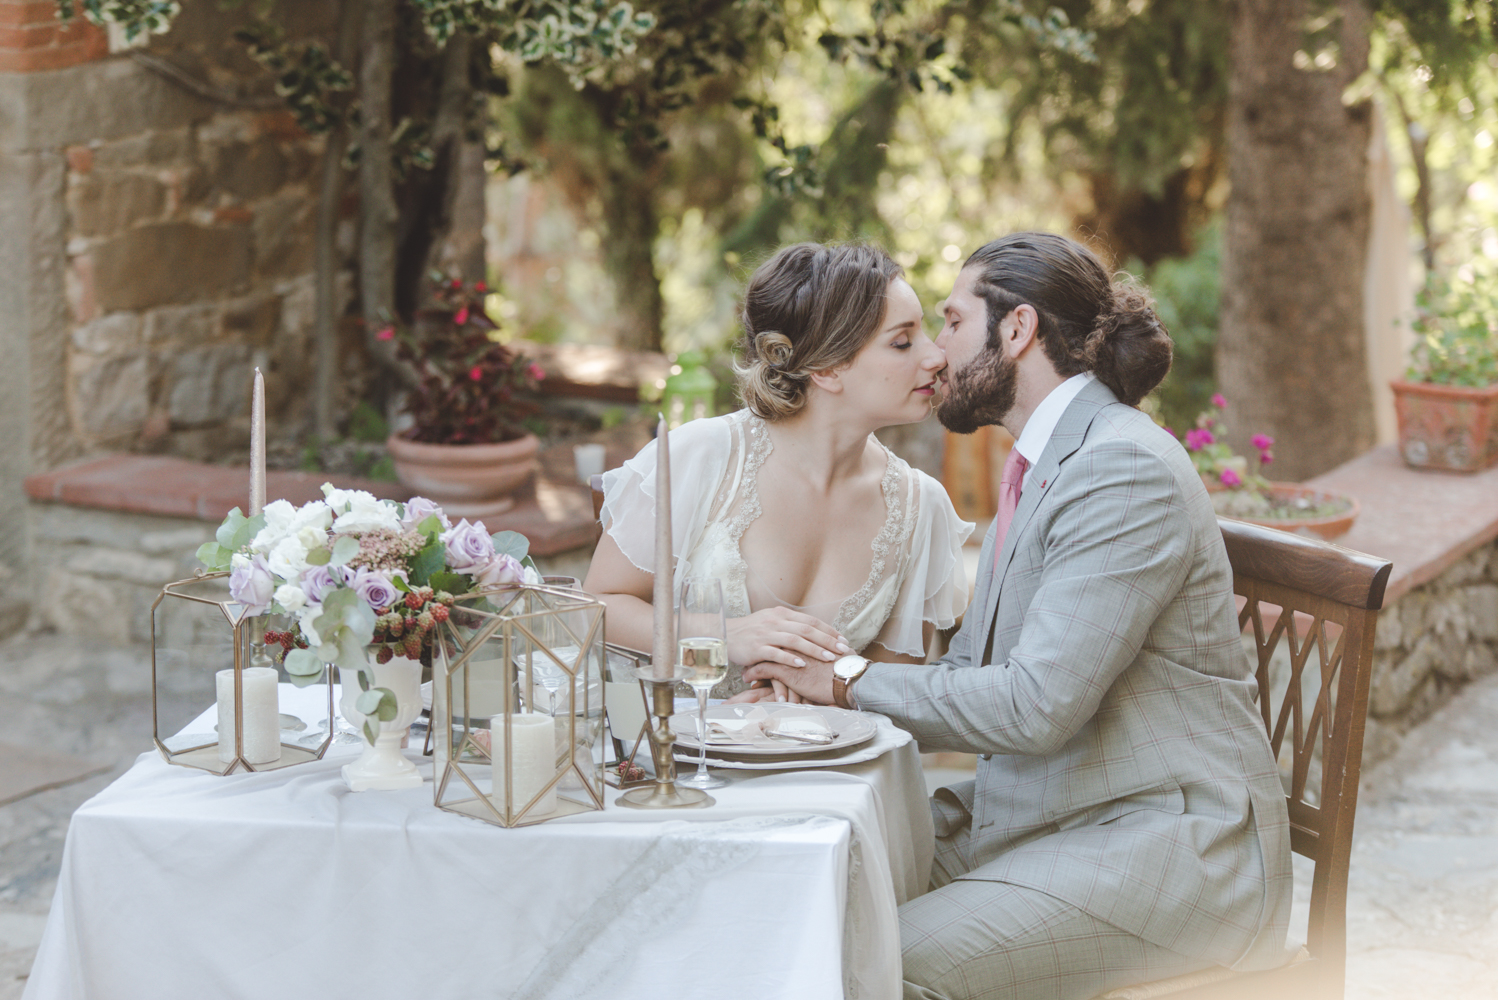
(382, 766)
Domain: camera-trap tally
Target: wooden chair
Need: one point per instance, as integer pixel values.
(1323, 599)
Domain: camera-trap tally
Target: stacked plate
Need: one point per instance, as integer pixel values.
(773, 731)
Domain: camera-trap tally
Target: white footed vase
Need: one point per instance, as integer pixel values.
(382, 766)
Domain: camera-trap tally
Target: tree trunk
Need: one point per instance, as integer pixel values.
(1291, 351)
(378, 215)
(631, 222)
(330, 198)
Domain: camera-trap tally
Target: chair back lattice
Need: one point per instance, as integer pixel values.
(1309, 608)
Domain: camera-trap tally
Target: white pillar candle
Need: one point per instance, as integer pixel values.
(262, 715)
(532, 764)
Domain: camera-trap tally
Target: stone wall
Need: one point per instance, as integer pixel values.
(158, 245)
(1430, 642)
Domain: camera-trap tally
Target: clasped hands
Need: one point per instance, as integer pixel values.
(787, 656)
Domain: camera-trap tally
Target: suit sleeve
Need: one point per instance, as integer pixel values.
(1116, 551)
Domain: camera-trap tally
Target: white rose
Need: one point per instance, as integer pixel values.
(365, 513)
(315, 514)
(288, 559)
(309, 614)
(239, 561)
(279, 515)
(312, 537)
(290, 598)
(532, 578)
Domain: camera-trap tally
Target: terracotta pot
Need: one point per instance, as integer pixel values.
(1447, 426)
(1329, 527)
(467, 480)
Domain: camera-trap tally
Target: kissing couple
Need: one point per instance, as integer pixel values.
(1126, 822)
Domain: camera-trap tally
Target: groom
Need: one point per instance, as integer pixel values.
(1127, 821)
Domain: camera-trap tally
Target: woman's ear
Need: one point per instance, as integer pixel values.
(829, 380)
(1018, 330)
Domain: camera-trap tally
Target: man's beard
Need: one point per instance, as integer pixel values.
(981, 392)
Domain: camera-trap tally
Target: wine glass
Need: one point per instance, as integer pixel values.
(702, 648)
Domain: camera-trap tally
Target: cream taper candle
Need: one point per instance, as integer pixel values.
(262, 715)
(663, 651)
(532, 761)
(257, 445)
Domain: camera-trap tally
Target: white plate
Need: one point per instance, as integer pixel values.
(852, 728)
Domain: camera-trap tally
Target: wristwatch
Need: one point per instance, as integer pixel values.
(845, 671)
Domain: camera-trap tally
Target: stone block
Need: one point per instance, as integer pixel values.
(13, 614)
(110, 395)
(100, 101)
(1395, 683)
(103, 203)
(147, 149)
(1482, 610)
(209, 383)
(171, 262)
(191, 324)
(247, 170)
(1388, 634)
(120, 564)
(86, 605)
(253, 320)
(113, 334)
(283, 229)
(1479, 660)
(176, 542)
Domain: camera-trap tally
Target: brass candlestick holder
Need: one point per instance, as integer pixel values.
(665, 793)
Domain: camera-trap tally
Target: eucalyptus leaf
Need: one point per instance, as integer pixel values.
(370, 733)
(368, 702)
(453, 583)
(246, 532)
(214, 556)
(319, 557)
(388, 707)
(303, 663)
(305, 680)
(344, 549)
(363, 676)
(226, 530)
(511, 543)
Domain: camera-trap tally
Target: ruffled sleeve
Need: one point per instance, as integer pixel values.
(699, 456)
(933, 585)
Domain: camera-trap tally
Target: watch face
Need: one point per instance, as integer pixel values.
(849, 666)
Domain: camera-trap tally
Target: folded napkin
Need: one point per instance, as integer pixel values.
(756, 726)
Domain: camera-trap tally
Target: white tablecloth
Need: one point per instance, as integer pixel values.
(176, 883)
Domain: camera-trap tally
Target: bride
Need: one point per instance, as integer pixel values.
(826, 541)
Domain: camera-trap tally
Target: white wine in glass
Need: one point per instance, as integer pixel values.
(702, 649)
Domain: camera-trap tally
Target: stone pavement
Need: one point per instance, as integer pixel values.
(1423, 906)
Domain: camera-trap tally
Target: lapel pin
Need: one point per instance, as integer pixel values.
(1042, 483)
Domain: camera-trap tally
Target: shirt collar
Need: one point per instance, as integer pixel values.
(1038, 429)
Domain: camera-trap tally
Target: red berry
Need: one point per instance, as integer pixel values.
(385, 655)
(439, 612)
(413, 646)
(414, 600)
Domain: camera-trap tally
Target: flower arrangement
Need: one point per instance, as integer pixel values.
(470, 388)
(1237, 490)
(357, 572)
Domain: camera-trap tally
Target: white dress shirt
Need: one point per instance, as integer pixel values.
(1037, 432)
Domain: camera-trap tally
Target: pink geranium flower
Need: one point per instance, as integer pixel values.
(1218, 401)
(1230, 478)
(536, 372)
(386, 334)
(1198, 438)
(476, 373)
(1263, 442)
(462, 316)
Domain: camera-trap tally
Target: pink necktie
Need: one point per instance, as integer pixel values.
(1010, 483)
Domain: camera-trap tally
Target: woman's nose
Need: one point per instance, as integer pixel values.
(935, 357)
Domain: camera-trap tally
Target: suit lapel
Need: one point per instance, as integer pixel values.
(1067, 437)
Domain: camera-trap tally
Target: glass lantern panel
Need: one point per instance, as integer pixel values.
(192, 639)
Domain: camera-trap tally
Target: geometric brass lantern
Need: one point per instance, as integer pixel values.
(518, 705)
(196, 631)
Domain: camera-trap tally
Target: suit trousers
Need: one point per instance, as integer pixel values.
(971, 939)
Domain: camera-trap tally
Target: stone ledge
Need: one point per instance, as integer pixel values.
(1424, 522)
(556, 516)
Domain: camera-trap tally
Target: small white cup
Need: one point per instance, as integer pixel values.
(589, 459)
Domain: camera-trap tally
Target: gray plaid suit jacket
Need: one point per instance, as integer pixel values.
(1124, 769)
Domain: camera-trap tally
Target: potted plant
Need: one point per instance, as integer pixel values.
(467, 447)
(1247, 495)
(1447, 403)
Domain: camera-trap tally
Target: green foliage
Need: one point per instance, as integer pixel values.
(233, 534)
(306, 75)
(137, 16)
(366, 423)
(1188, 293)
(512, 544)
(429, 560)
(1457, 326)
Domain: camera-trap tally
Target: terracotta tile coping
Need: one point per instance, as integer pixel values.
(554, 515)
(1422, 521)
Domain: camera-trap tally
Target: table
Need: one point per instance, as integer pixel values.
(176, 883)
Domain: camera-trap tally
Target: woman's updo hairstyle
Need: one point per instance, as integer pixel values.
(810, 308)
(1087, 322)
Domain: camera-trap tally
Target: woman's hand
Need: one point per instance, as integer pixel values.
(780, 635)
(765, 691)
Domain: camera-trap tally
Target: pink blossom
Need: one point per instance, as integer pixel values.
(476, 373)
(1198, 438)
(461, 317)
(1263, 442)
(1265, 457)
(536, 372)
(479, 286)
(386, 334)
(1230, 478)
(1218, 401)
(251, 584)
(456, 283)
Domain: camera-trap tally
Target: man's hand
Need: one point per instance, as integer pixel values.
(812, 682)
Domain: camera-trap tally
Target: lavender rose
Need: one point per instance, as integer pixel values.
(418, 509)
(501, 569)
(316, 582)
(251, 584)
(374, 588)
(469, 547)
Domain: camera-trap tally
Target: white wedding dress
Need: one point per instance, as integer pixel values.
(915, 574)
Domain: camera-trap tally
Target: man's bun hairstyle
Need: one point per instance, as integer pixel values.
(1088, 322)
